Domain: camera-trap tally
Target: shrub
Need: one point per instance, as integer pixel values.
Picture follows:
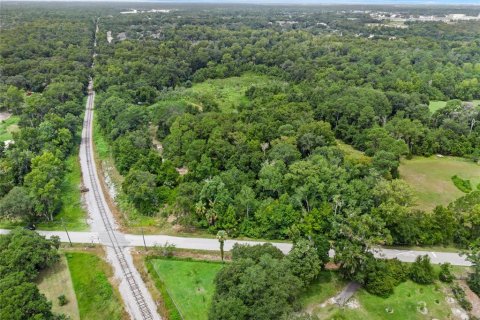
(62, 300)
(459, 294)
(383, 276)
(462, 185)
(240, 251)
(166, 250)
(421, 270)
(445, 274)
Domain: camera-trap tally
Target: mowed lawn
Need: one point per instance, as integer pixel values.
(410, 301)
(189, 283)
(56, 281)
(328, 285)
(96, 298)
(431, 178)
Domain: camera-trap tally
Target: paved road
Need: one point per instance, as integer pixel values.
(131, 240)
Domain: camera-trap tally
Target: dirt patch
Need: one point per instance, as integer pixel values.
(353, 304)
(473, 298)
(5, 115)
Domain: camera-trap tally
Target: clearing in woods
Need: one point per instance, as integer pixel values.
(431, 178)
(437, 105)
(8, 125)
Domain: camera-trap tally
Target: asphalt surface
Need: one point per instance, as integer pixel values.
(131, 240)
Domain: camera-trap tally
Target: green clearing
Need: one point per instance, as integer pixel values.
(326, 286)
(56, 281)
(96, 297)
(228, 93)
(404, 304)
(431, 178)
(188, 283)
(7, 127)
(353, 154)
(436, 105)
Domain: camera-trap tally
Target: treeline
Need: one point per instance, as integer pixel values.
(263, 283)
(45, 69)
(23, 255)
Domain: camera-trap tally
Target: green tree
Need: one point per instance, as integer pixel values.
(474, 277)
(43, 183)
(21, 299)
(27, 251)
(222, 237)
(304, 261)
(421, 271)
(13, 99)
(17, 204)
(445, 274)
(140, 188)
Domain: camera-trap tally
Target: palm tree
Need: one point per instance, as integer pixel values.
(222, 237)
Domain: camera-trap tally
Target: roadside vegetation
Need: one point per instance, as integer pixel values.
(189, 284)
(24, 254)
(97, 299)
(56, 282)
(423, 291)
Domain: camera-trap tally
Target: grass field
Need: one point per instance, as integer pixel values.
(405, 303)
(436, 105)
(326, 286)
(352, 153)
(7, 127)
(431, 178)
(96, 297)
(229, 93)
(189, 283)
(56, 281)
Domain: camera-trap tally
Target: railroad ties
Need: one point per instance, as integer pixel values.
(110, 236)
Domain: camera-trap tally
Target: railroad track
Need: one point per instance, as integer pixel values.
(109, 226)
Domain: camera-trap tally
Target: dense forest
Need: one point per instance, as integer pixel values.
(263, 158)
(45, 65)
(268, 164)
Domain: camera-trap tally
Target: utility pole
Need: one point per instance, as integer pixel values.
(144, 243)
(64, 226)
